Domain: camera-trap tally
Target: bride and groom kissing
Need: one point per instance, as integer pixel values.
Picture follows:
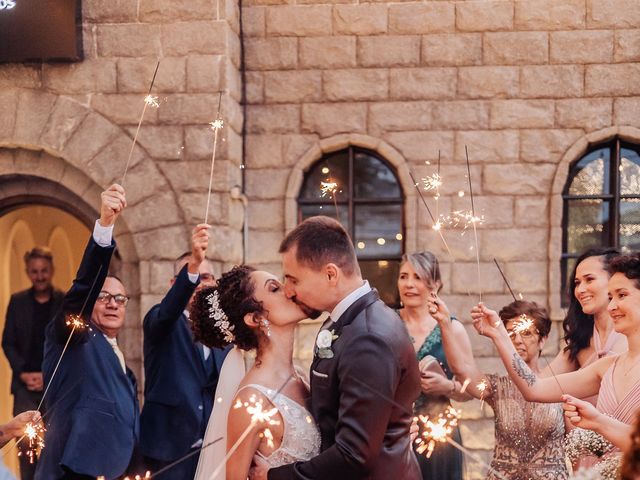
(354, 422)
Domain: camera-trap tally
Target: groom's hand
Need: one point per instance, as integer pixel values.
(260, 469)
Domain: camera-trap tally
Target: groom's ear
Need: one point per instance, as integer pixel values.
(332, 272)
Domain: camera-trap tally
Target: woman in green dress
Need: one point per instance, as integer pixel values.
(420, 276)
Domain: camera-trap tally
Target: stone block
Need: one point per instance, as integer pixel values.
(516, 48)
(263, 247)
(273, 118)
(470, 115)
(531, 211)
(158, 211)
(488, 82)
(626, 111)
(77, 181)
(356, 84)
(549, 14)
(584, 46)
(271, 53)
(8, 106)
(423, 146)
(14, 75)
(263, 151)
(399, 116)
(389, 51)
(527, 277)
(254, 22)
(452, 49)
(518, 179)
(612, 80)
(88, 76)
(512, 244)
(166, 243)
(157, 11)
(432, 17)
(294, 86)
(552, 81)
(422, 83)
(360, 19)
(161, 142)
(109, 164)
(254, 84)
(266, 183)
(31, 116)
(612, 14)
(522, 113)
(488, 146)
(294, 147)
(193, 176)
(91, 136)
(299, 20)
(189, 108)
(486, 16)
(128, 40)
(267, 215)
(331, 119)
(465, 275)
(135, 75)
(205, 73)
(589, 114)
(328, 52)
(627, 46)
(203, 37)
(455, 180)
(144, 179)
(546, 145)
(496, 210)
(109, 11)
(65, 118)
(123, 109)
(198, 143)
(194, 206)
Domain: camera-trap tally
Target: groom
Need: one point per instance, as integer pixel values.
(365, 360)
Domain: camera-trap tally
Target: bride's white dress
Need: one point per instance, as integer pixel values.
(300, 440)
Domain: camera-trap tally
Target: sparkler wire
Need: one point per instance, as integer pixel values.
(473, 214)
(424, 202)
(505, 280)
(216, 126)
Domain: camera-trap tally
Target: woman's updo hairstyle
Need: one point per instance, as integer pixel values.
(628, 265)
(235, 292)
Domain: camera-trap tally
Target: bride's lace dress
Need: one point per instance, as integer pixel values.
(301, 438)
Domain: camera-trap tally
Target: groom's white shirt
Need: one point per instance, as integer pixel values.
(347, 301)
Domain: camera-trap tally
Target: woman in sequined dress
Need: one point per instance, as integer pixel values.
(419, 275)
(616, 379)
(528, 436)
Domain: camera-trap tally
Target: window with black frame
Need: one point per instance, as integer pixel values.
(601, 203)
(362, 190)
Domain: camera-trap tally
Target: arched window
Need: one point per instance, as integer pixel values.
(601, 202)
(368, 201)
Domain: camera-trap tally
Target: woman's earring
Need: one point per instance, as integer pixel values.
(265, 325)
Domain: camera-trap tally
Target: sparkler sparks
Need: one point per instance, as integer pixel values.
(436, 432)
(217, 124)
(137, 477)
(464, 219)
(432, 182)
(76, 322)
(523, 324)
(328, 188)
(33, 432)
(152, 101)
(482, 388)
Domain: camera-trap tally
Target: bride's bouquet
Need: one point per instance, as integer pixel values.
(581, 442)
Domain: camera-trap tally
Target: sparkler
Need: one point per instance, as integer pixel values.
(482, 388)
(505, 280)
(216, 126)
(149, 101)
(436, 224)
(473, 222)
(438, 431)
(33, 433)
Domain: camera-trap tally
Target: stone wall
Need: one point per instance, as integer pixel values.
(526, 85)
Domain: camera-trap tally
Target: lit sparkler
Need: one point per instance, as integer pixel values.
(464, 219)
(474, 221)
(76, 322)
(149, 100)
(33, 432)
(436, 432)
(216, 126)
(436, 225)
(147, 475)
(523, 324)
(482, 388)
(328, 188)
(432, 182)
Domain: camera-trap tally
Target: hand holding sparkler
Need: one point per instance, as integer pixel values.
(581, 413)
(486, 321)
(113, 202)
(438, 309)
(16, 427)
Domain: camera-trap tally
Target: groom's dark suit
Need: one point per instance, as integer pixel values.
(363, 435)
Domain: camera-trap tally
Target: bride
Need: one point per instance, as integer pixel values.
(249, 310)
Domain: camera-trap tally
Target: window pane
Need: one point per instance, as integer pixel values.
(327, 209)
(335, 168)
(629, 172)
(630, 224)
(373, 179)
(591, 174)
(587, 224)
(378, 230)
(383, 275)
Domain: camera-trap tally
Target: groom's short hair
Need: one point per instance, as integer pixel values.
(320, 240)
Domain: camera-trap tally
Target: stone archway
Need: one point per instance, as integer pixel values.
(575, 151)
(338, 142)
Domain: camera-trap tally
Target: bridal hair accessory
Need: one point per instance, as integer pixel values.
(221, 320)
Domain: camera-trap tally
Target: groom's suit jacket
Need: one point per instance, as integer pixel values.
(364, 434)
(92, 404)
(179, 383)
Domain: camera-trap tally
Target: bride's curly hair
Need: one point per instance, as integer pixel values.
(236, 298)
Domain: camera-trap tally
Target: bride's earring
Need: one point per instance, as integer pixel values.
(265, 325)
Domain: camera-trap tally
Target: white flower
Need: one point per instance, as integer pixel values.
(324, 340)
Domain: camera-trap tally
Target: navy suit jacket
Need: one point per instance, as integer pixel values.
(92, 408)
(178, 393)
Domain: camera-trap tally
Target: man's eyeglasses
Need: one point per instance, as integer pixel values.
(105, 297)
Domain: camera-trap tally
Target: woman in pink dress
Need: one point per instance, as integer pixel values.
(616, 378)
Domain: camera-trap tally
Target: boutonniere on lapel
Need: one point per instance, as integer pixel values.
(324, 341)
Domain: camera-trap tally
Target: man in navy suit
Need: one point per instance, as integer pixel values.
(92, 408)
(181, 374)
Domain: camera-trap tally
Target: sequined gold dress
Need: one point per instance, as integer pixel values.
(528, 435)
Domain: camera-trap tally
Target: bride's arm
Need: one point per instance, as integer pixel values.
(240, 429)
